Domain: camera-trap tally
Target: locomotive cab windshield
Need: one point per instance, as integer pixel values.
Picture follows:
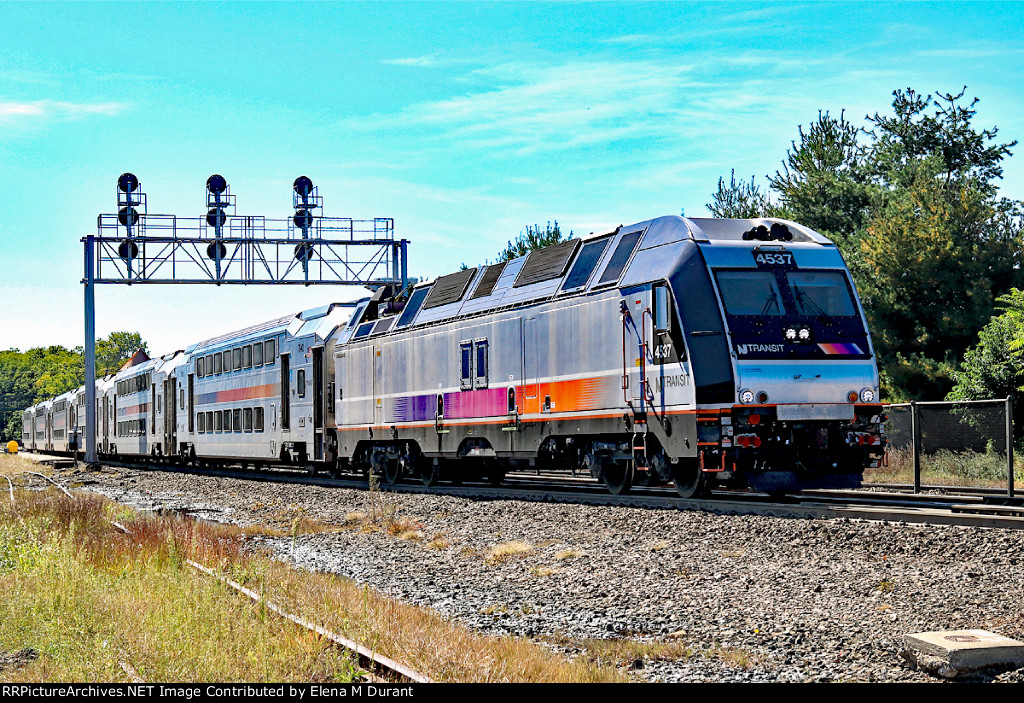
(792, 314)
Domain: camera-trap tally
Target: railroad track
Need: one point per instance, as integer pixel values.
(975, 509)
(382, 667)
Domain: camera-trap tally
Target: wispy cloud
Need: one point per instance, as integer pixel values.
(428, 61)
(38, 112)
(30, 77)
(529, 107)
(523, 108)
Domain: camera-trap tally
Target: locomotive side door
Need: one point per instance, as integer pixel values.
(170, 417)
(106, 425)
(318, 403)
(355, 371)
(340, 385)
(531, 364)
(378, 385)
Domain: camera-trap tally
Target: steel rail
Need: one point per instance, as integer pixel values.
(382, 664)
(862, 506)
(377, 660)
(47, 478)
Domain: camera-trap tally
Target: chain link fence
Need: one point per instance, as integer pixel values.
(966, 444)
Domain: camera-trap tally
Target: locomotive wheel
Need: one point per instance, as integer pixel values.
(689, 479)
(429, 472)
(495, 477)
(618, 477)
(392, 472)
(338, 467)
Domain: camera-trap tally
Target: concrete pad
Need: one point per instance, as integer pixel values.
(953, 652)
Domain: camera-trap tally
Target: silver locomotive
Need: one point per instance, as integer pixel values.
(697, 352)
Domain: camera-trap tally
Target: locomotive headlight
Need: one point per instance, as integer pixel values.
(790, 333)
(804, 334)
(746, 396)
(867, 395)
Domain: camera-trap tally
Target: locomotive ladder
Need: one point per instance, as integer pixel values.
(646, 396)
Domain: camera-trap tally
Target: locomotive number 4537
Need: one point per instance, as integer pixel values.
(773, 258)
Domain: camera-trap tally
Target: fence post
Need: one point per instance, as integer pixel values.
(1009, 446)
(915, 433)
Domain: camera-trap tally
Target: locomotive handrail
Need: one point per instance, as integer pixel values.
(625, 373)
(645, 384)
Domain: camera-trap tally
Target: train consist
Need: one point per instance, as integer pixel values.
(697, 352)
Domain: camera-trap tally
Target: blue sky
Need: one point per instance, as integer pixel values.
(463, 121)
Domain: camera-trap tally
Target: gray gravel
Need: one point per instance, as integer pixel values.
(754, 598)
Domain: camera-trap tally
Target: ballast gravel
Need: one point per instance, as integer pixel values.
(752, 599)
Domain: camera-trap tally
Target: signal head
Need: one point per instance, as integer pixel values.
(216, 217)
(216, 184)
(303, 186)
(127, 183)
(128, 216)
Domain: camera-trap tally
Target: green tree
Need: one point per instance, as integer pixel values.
(42, 373)
(739, 199)
(994, 367)
(823, 183)
(935, 263)
(939, 246)
(534, 238)
(942, 142)
(17, 391)
(117, 348)
(911, 202)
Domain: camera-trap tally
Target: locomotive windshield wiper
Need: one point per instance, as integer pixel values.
(816, 310)
(770, 301)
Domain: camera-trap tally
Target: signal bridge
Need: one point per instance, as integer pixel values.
(133, 247)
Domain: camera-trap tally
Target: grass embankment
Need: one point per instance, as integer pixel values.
(947, 468)
(90, 599)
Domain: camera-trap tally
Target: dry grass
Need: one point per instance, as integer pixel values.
(735, 657)
(438, 541)
(659, 545)
(88, 597)
(623, 651)
(500, 553)
(946, 468)
(11, 464)
(545, 571)
(567, 554)
(402, 526)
